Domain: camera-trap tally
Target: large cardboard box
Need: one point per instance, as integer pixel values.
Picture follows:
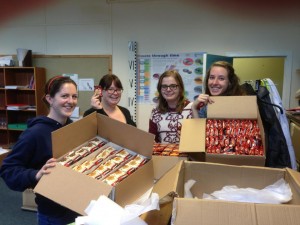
(165, 156)
(193, 132)
(211, 177)
(162, 164)
(295, 134)
(75, 190)
(28, 200)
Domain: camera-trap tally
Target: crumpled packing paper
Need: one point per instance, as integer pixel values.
(104, 211)
(276, 193)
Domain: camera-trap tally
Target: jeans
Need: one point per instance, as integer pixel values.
(67, 218)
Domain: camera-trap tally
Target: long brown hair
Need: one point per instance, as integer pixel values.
(162, 103)
(234, 88)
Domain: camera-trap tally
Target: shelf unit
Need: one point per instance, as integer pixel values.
(13, 122)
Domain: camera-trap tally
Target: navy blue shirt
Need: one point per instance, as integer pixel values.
(29, 154)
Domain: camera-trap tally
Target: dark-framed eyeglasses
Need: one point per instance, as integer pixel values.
(112, 91)
(172, 87)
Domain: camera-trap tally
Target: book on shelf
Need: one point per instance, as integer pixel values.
(31, 84)
(31, 107)
(16, 106)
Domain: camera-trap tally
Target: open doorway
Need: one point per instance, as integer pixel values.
(287, 68)
(251, 69)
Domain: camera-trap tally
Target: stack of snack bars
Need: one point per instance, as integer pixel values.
(167, 150)
(233, 136)
(108, 163)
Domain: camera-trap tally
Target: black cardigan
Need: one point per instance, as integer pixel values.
(125, 112)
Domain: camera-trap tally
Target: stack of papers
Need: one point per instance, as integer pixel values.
(15, 87)
(6, 61)
(17, 106)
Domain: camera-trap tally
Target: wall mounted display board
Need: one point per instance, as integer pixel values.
(86, 66)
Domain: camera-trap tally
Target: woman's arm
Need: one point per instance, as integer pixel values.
(201, 101)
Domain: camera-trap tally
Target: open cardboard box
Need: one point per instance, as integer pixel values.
(28, 200)
(193, 132)
(162, 164)
(75, 190)
(211, 177)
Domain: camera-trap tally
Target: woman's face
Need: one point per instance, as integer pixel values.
(64, 102)
(218, 80)
(170, 89)
(112, 95)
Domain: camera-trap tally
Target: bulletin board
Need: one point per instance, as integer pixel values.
(86, 66)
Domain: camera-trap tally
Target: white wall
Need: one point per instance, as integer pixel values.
(218, 27)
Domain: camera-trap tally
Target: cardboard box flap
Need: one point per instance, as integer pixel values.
(277, 214)
(166, 187)
(69, 192)
(233, 107)
(71, 139)
(249, 160)
(131, 186)
(295, 174)
(293, 178)
(192, 129)
(202, 212)
(162, 164)
(135, 139)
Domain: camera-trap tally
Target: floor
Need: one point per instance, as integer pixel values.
(10, 208)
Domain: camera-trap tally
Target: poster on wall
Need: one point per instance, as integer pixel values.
(151, 66)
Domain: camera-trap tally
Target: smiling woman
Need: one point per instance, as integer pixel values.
(220, 80)
(31, 156)
(106, 97)
(166, 119)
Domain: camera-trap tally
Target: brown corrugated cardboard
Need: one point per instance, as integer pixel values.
(295, 134)
(75, 190)
(162, 164)
(236, 107)
(210, 177)
(28, 200)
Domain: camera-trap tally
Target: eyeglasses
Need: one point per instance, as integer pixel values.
(172, 87)
(112, 91)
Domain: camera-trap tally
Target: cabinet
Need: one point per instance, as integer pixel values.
(19, 86)
(295, 134)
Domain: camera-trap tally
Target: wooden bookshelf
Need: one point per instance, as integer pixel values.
(16, 88)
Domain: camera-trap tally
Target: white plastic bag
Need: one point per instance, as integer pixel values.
(279, 192)
(104, 211)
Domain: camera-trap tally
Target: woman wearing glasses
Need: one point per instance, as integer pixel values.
(106, 98)
(166, 119)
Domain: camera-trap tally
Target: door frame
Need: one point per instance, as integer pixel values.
(287, 76)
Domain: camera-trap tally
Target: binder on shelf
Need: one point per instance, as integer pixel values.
(17, 126)
(17, 106)
(15, 87)
(31, 84)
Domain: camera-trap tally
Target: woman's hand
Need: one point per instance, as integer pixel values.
(95, 100)
(45, 169)
(202, 100)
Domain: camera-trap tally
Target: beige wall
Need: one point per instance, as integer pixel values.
(258, 68)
